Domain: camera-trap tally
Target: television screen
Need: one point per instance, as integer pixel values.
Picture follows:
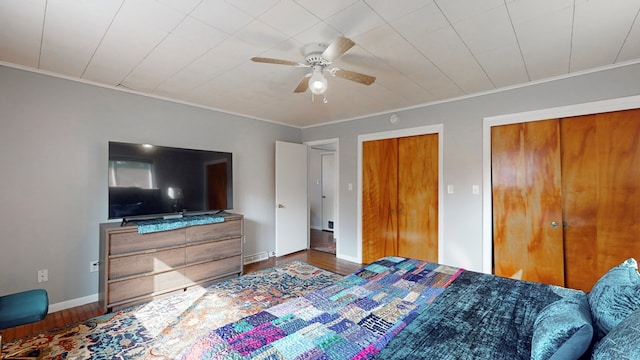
(147, 181)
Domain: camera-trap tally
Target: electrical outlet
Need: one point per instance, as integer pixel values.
(94, 266)
(43, 275)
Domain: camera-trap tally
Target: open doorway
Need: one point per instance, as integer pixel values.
(323, 195)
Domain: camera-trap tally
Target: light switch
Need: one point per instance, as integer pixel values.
(350, 187)
(475, 189)
(449, 189)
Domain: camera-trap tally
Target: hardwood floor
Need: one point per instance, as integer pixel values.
(70, 316)
(322, 240)
(316, 258)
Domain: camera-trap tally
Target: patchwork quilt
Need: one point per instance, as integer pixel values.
(353, 318)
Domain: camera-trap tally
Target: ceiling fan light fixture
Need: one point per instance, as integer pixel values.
(317, 82)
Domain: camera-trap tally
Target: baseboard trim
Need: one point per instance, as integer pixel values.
(73, 303)
(248, 259)
(349, 258)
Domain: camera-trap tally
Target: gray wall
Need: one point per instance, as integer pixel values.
(463, 147)
(53, 161)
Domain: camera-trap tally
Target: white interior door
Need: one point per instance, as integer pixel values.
(292, 219)
(328, 191)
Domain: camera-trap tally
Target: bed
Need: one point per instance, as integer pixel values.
(399, 308)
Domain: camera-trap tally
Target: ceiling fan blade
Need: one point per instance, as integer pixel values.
(337, 48)
(354, 76)
(277, 61)
(304, 84)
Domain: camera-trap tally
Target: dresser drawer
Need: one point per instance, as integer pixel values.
(147, 263)
(145, 285)
(232, 228)
(213, 269)
(213, 250)
(122, 243)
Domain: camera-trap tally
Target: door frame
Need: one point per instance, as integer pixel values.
(331, 171)
(336, 163)
(421, 130)
(596, 107)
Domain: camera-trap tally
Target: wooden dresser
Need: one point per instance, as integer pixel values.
(139, 267)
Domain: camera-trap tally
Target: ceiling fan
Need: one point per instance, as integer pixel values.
(318, 57)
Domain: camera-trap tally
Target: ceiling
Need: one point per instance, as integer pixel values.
(420, 51)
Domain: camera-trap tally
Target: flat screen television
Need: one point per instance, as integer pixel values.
(149, 181)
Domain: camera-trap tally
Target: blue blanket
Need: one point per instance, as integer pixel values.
(479, 316)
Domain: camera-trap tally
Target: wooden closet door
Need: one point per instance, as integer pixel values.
(601, 193)
(379, 199)
(418, 197)
(526, 186)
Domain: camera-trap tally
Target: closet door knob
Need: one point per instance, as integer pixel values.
(554, 224)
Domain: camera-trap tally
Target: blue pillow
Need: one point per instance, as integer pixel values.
(563, 329)
(615, 296)
(623, 342)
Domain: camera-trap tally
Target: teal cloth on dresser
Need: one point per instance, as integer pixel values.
(562, 330)
(155, 225)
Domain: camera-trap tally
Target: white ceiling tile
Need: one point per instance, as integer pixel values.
(504, 66)
(125, 45)
(487, 30)
(398, 53)
(544, 34)
(392, 10)
(229, 54)
(326, 8)
(439, 43)
(355, 20)
(536, 11)
(233, 52)
(420, 22)
(150, 13)
(221, 15)
(193, 75)
(447, 52)
(199, 33)
(490, 37)
(631, 48)
(169, 57)
(459, 10)
(419, 50)
(404, 87)
(20, 31)
(252, 7)
(436, 83)
(599, 31)
(184, 6)
(261, 35)
(72, 34)
(289, 18)
(321, 32)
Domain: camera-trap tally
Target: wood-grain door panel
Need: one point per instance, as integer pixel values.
(379, 199)
(601, 193)
(526, 189)
(418, 197)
